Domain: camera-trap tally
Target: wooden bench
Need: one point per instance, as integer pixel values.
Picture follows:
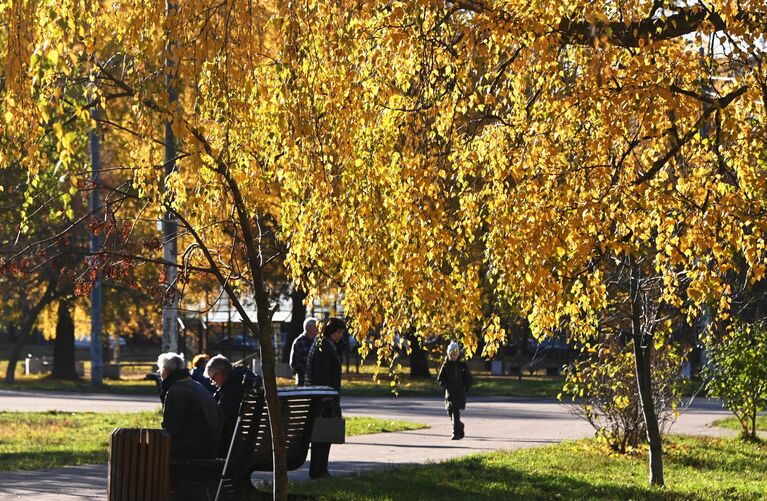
(251, 446)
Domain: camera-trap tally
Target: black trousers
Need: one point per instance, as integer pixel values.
(318, 465)
(455, 416)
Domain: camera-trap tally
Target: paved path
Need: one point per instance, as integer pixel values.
(491, 424)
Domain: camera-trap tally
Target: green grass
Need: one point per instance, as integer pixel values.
(732, 423)
(696, 469)
(123, 387)
(361, 425)
(33, 440)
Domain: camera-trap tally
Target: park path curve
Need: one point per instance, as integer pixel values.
(491, 424)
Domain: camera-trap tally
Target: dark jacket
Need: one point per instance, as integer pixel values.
(455, 378)
(323, 364)
(198, 374)
(323, 368)
(299, 352)
(192, 418)
(229, 397)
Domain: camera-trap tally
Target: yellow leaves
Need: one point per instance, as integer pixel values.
(53, 56)
(430, 171)
(176, 190)
(757, 273)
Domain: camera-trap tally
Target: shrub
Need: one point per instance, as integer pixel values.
(603, 384)
(736, 373)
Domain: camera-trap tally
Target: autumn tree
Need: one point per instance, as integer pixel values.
(210, 70)
(543, 143)
(420, 153)
(29, 284)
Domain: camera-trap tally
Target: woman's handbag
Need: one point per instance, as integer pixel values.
(329, 430)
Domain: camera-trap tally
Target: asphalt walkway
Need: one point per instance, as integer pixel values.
(491, 424)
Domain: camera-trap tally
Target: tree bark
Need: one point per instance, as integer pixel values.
(279, 442)
(419, 360)
(296, 326)
(29, 317)
(642, 363)
(64, 345)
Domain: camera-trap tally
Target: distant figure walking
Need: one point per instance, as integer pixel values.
(323, 368)
(300, 349)
(455, 378)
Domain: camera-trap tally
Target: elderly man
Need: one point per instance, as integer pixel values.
(189, 412)
(228, 381)
(300, 350)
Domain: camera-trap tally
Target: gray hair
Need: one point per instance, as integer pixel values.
(217, 364)
(171, 361)
(310, 322)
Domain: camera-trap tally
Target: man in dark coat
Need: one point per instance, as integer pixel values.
(455, 377)
(229, 393)
(189, 414)
(300, 349)
(323, 368)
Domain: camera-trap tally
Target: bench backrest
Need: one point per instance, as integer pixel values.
(251, 446)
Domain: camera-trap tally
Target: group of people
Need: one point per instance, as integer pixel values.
(200, 408)
(311, 367)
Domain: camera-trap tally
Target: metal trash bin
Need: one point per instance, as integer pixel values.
(139, 462)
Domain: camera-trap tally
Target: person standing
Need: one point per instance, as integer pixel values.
(300, 349)
(228, 381)
(323, 368)
(455, 378)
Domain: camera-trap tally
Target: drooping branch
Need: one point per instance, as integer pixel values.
(719, 104)
(653, 28)
(683, 22)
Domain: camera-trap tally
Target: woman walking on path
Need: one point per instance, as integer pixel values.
(455, 378)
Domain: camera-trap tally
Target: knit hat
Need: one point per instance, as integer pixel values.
(453, 347)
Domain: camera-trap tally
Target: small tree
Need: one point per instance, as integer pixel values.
(602, 383)
(737, 374)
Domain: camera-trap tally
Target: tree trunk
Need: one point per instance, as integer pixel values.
(419, 360)
(10, 371)
(279, 443)
(64, 345)
(642, 364)
(28, 319)
(255, 261)
(753, 423)
(296, 326)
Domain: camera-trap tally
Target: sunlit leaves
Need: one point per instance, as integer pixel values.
(470, 148)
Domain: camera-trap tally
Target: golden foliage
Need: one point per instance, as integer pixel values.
(439, 160)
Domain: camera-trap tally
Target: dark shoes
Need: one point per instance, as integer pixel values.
(458, 433)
